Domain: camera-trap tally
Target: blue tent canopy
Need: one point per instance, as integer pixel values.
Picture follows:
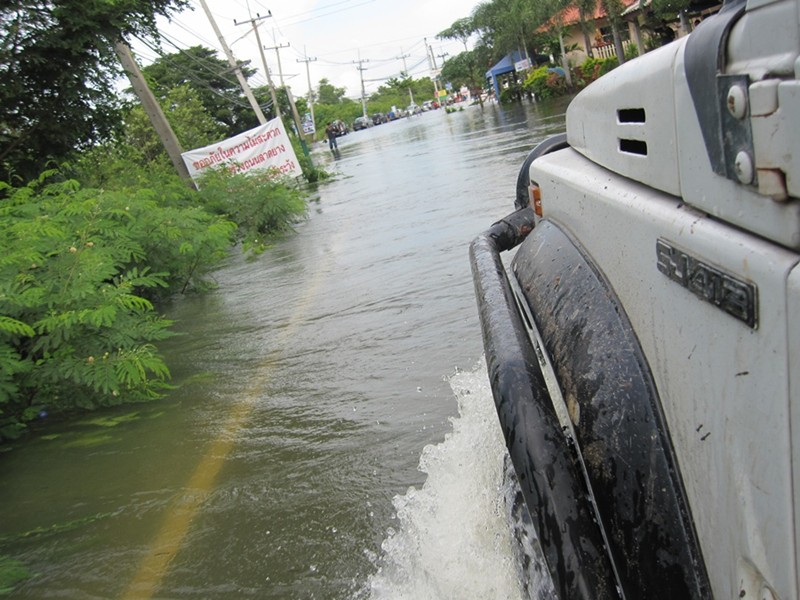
(506, 65)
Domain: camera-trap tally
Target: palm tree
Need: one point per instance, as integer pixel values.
(613, 9)
(586, 10)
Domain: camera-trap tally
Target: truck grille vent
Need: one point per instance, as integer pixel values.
(633, 147)
(631, 115)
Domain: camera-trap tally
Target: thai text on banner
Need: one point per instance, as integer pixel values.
(261, 148)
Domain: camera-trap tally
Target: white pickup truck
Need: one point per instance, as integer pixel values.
(644, 345)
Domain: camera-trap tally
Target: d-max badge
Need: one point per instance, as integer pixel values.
(735, 296)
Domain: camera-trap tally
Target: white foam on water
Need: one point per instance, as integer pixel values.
(452, 538)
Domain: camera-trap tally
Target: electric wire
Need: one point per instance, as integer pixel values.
(417, 67)
(238, 101)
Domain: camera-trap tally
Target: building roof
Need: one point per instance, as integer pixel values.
(571, 16)
(637, 5)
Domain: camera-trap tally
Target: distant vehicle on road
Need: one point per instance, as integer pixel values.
(361, 123)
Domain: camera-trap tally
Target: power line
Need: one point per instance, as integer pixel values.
(247, 46)
(213, 70)
(198, 82)
(190, 32)
(236, 68)
(255, 23)
(327, 14)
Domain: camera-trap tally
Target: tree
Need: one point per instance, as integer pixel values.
(332, 105)
(461, 30)
(552, 12)
(667, 9)
(458, 69)
(193, 126)
(210, 79)
(613, 9)
(76, 327)
(397, 91)
(57, 65)
(509, 25)
(328, 94)
(586, 9)
(83, 268)
(397, 84)
(464, 67)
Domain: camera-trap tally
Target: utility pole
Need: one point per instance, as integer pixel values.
(297, 123)
(277, 47)
(431, 56)
(308, 60)
(361, 70)
(153, 110)
(442, 55)
(255, 23)
(405, 70)
(235, 65)
(432, 65)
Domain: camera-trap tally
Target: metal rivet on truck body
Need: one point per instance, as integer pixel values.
(737, 101)
(744, 167)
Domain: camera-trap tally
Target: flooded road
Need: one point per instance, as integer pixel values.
(333, 434)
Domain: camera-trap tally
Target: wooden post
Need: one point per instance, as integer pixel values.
(153, 110)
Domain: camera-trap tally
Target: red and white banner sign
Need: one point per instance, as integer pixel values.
(264, 147)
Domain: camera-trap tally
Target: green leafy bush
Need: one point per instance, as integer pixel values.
(631, 52)
(546, 83)
(78, 329)
(261, 205)
(597, 67)
(593, 68)
(311, 172)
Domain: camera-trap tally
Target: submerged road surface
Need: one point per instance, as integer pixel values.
(333, 435)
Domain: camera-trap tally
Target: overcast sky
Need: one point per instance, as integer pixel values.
(335, 32)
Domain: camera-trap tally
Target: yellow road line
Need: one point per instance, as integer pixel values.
(183, 509)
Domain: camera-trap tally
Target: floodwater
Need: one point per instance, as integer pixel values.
(333, 435)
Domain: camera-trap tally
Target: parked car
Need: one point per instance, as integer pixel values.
(379, 118)
(361, 123)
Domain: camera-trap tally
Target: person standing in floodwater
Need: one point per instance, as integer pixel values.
(330, 131)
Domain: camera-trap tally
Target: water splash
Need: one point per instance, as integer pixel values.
(453, 538)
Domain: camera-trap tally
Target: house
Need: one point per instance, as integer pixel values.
(641, 29)
(598, 36)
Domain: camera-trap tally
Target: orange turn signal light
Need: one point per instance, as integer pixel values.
(535, 196)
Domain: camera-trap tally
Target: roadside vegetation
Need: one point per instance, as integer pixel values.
(534, 29)
(97, 229)
(331, 104)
